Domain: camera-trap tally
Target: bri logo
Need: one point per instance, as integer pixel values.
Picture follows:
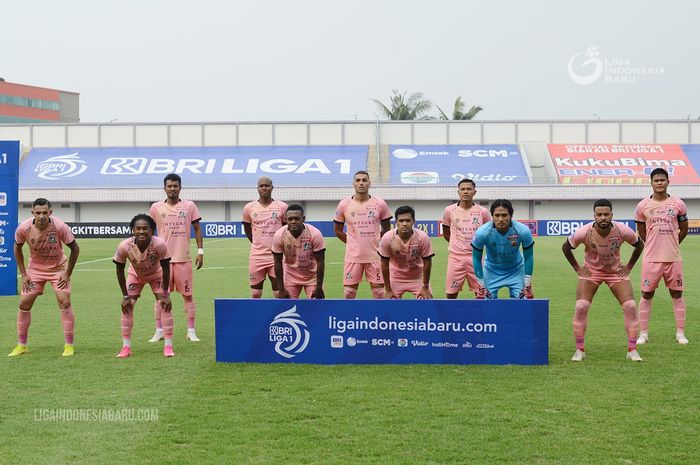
(563, 228)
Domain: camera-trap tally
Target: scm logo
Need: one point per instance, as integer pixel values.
(491, 153)
(382, 342)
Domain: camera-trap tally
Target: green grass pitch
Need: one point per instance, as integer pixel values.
(605, 410)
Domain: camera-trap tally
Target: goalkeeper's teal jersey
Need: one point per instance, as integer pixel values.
(503, 249)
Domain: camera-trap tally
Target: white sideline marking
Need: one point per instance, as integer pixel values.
(201, 269)
(109, 258)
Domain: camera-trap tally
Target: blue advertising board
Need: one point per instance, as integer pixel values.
(331, 331)
(221, 229)
(564, 227)
(692, 151)
(199, 166)
(228, 229)
(446, 165)
(9, 163)
(433, 228)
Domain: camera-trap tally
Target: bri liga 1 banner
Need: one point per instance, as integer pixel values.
(127, 167)
(495, 332)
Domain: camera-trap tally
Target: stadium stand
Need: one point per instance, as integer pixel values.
(538, 191)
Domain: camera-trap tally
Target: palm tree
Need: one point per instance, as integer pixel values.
(403, 108)
(458, 111)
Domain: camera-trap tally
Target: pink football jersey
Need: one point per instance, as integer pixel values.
(363, 221)
(299, 261)
(46, 247)
(662, 225)
(264, 221)
(406, 258)
(144, 265)
(174, 223)
(602, 254)
(463, 224)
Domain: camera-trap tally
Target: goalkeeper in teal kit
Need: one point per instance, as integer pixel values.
(504, 266)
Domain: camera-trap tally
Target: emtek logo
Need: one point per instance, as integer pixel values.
(404, 154)
(563, 228)
(60, 166)
(288, 332)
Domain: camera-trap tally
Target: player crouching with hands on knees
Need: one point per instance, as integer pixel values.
(504, 266)
(45, 235)
(299, 253)
(602, 240)
(407, 258)
(150, 264)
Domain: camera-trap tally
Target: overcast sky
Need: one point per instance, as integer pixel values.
(206, 60)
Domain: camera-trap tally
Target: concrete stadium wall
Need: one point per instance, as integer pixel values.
(351, 132)
(372, 133)
(325, 211)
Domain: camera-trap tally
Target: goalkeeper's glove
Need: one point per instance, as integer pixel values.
(482, 292)
(526, 292)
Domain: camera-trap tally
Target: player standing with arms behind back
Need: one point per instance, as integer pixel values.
(459, 223)
(367, 219)
(173, 217)
(261, 220)
(662, 223)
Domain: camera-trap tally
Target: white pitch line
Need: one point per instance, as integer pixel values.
(109, 258)
(93, 261)
(201, 269)
(204, 268)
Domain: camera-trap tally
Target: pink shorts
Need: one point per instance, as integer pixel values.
(134, 285)
(608, 278)
(181, 278)
(460, 268)
(259, 268)
(295, 289)
(414, 287)
(672, 272)
(352, 273)
(40, 278)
